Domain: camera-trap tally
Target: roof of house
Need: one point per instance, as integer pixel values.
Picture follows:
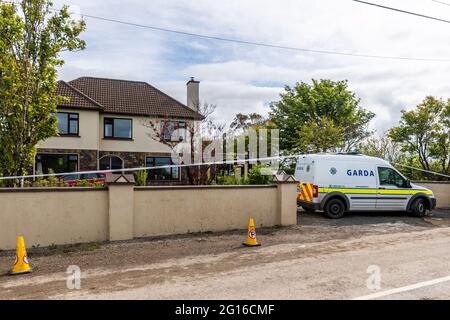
(75, 98)
(123, 97)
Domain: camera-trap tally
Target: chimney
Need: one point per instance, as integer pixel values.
(193, 94)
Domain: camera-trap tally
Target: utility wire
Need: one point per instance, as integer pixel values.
(444, 3)
(260, 44)
(402, 11)
(254, 43)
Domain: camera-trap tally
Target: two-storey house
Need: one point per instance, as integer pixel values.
(104, 125)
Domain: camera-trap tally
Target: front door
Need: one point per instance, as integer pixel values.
(392, 190)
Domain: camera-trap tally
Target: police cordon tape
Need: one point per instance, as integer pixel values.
(237, 161)
(426, 171)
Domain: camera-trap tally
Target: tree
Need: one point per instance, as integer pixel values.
(310, 111)
(382, 147)
(243, 122)
(320, 135)
(256, 129)
(425, 133)
(31, 41)
(198, 134)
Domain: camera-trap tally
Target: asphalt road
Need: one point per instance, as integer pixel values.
(333, 270)
(403, 257)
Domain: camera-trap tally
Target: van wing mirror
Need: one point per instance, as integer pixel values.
(408, 184)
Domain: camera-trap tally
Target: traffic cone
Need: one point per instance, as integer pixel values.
(21, 265)
(251, 235)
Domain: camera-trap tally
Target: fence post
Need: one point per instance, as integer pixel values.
(121, 206)
(287, 199)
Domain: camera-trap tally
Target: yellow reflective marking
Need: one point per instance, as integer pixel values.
(375, 191)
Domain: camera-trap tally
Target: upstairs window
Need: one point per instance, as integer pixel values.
(118, 128)
(68, 123)
(169, 127)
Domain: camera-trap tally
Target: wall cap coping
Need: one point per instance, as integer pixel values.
(52, 189)
(204, 187)
(120, 179)
(284, 178)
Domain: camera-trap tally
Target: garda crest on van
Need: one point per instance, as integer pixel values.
(360, 173)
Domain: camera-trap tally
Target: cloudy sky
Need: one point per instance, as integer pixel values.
(242, 78)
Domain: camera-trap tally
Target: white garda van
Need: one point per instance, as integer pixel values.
(339, 183)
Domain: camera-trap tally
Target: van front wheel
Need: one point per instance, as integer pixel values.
(334, 209)
(419, 208)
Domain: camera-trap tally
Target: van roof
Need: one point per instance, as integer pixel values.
(343, 157)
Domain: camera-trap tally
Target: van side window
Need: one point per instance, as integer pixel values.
(389, 176)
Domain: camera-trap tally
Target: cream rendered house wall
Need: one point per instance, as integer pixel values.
(142, 136)
(88, 133)
(91, 135)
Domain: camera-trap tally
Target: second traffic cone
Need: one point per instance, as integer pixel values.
(21, 265)
(251, 235)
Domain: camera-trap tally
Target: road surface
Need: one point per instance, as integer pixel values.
(401, 258)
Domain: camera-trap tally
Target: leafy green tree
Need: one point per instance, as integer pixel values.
(324, 107)
(320, 135)
(32, 38)
(382, 147)
(246, 121)
(260, 128)
(425, 133)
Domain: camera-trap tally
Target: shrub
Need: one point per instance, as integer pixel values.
(141, 178)
(227, 181)
(255, 176)
(53, 181)
(84, 183)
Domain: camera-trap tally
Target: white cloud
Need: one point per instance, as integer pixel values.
(242, 78)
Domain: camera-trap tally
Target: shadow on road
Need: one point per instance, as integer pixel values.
(436, 218)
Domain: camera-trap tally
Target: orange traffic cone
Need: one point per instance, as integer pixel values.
(251, 235)
(21, 265)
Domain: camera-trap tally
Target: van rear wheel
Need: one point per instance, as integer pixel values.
(419, 208)
(334, 209)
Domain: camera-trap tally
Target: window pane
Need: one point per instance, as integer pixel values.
(122, 128)
(175, 173)
(116, 163)
(164, 173)
(111, 163)
(56, 163)
(108, 130)
(105, 163)
(73, 126)
(390, 177)
(168, 128)
(149, 162)
(62, 123)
